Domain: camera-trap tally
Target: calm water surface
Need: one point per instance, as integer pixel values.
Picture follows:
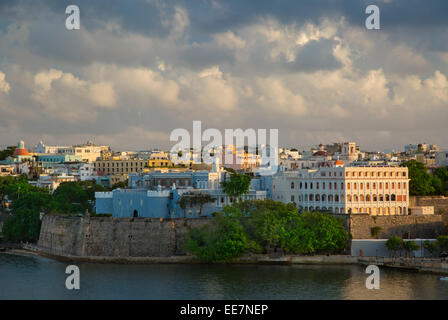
(34, 277)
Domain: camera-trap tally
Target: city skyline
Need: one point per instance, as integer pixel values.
(131, 75)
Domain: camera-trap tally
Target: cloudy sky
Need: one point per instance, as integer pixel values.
(136, 70)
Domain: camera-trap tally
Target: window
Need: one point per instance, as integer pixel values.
(292, 198)
(292, 185)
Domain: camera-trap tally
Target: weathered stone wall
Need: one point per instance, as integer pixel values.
(425, 227)
(106, 236)
(440, 203)
(139, 237)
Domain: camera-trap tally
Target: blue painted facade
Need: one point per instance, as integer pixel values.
(149, 195)
(58, 158)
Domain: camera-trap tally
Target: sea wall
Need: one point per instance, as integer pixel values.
(141, 237)
(111, 237)
(423, 227)
(440, 203)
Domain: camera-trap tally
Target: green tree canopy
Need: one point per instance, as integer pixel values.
(395, 244)
(421, 181)
(237, 185)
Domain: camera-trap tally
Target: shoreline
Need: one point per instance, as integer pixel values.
(431, 266)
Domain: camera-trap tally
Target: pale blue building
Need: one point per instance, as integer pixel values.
(157, 195)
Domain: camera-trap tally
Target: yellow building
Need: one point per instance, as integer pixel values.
(375, 190)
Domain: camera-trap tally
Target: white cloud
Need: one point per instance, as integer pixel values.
(4, 86)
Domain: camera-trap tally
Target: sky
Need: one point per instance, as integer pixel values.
(136, 70)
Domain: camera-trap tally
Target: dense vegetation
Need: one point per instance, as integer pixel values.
(261, 226)
(425, 184)
(7, 152)
(29, 201)
(237, 185)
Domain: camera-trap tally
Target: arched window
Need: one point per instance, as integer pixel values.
(355, 198)
(292, 185)
(311, 197)
(324, 198)
(381, 197)
(330, 198)
(368, 198)
(392, 197)
(362, 198)
(317, 197)
(349, 197)
(336, 198)
(387, 197)
(374, 197)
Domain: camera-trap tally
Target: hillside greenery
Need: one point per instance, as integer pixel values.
(261, 226)
(424, 183)
(29, 201)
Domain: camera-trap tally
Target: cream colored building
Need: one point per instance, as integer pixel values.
(376, 190)
(118, 166)
(88, 152)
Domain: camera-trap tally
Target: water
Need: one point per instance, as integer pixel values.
(34, 277)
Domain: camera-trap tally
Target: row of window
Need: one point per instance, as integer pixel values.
(373, 174)
(354, 198)
(374, 211)
(374, 185)
(112, 164)
(334, 185)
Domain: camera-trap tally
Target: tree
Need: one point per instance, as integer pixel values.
(223, 240)
(442, 241)
(69, 197)
(420, 184)
(7, 152)
(121, 185)
(431, 246)
(410, 246)
(24, 223)
(394, 244)
(196, 199)
(237, 185)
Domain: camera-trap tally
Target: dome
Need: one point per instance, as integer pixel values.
(338, 163)
(20, 150)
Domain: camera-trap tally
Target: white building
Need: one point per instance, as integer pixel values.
(376, 190)
(52, 182)
(285, 187)
(88, 152)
